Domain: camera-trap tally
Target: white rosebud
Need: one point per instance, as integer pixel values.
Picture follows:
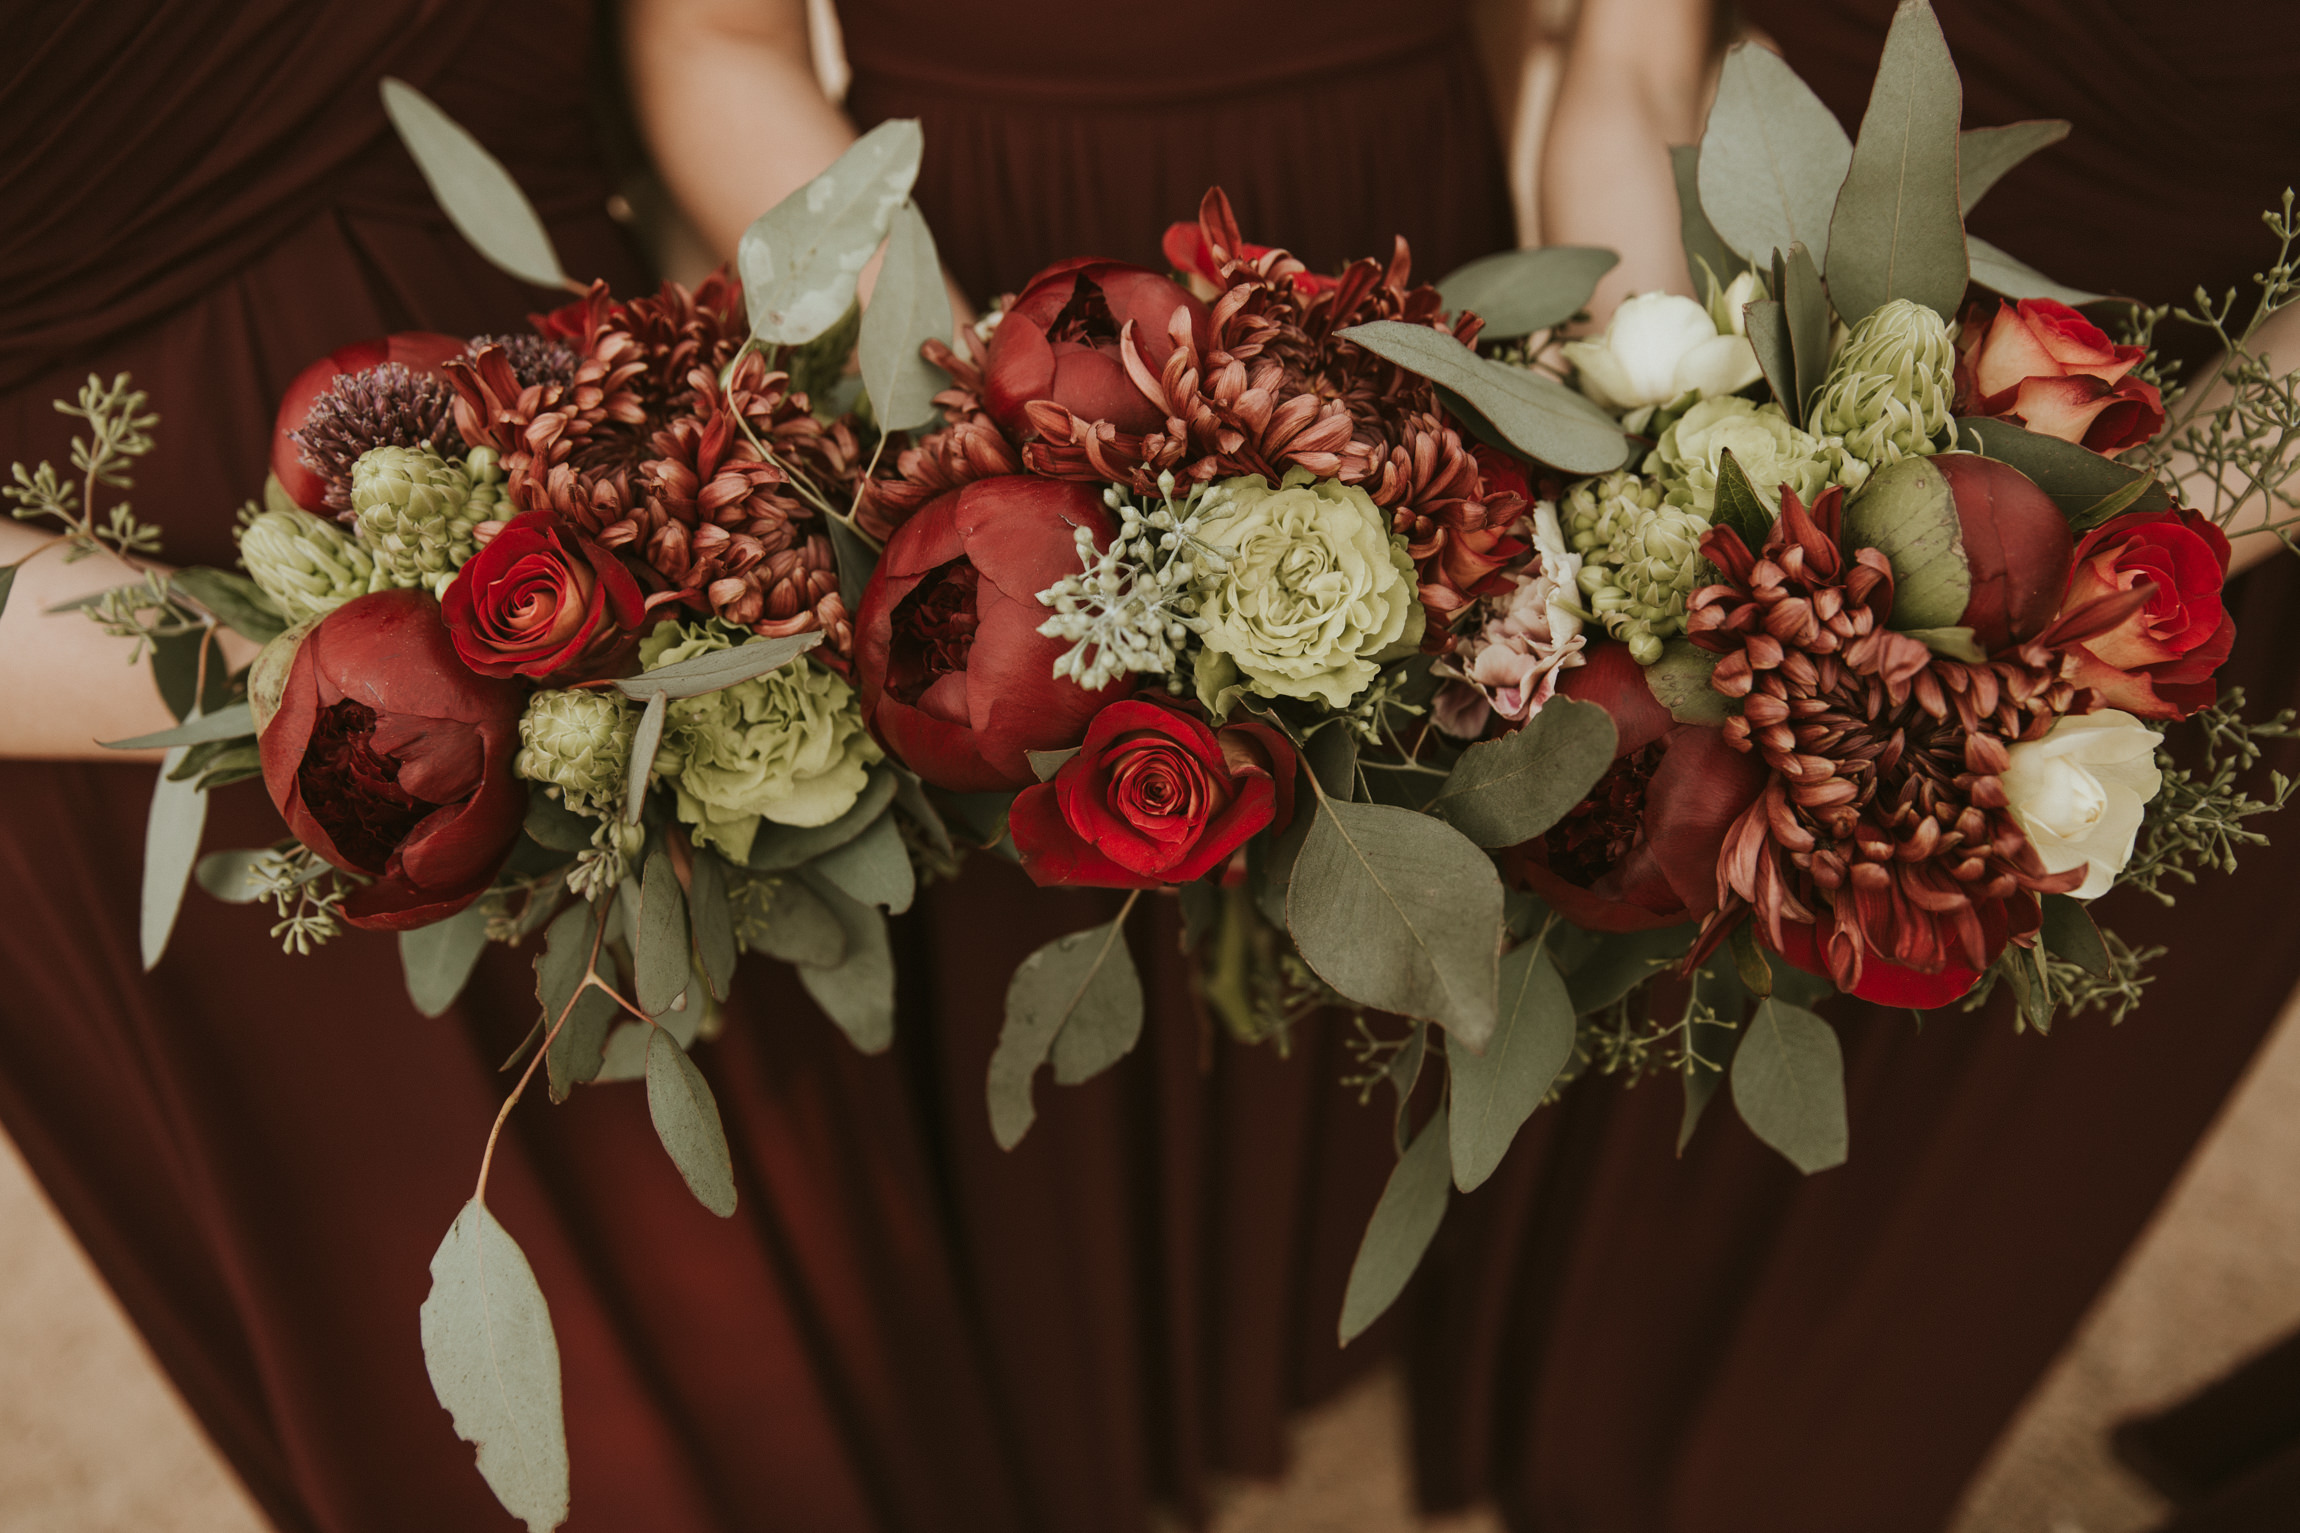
(1661, 347)
(2080, 790)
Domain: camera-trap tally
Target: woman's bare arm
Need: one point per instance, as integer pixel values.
(1634, 77)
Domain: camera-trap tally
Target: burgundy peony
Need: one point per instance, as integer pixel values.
(2044, 365)
(2016, 543)
(956, 679)
(1154, 796)
(389, 758)
(1642, 850)
(543, 601)
(420, 350)
(2159, 662)
(1059, 342)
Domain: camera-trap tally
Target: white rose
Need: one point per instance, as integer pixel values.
(1661, 347)
(2079, 792)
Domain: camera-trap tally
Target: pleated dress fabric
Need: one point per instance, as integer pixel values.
(902, 1328)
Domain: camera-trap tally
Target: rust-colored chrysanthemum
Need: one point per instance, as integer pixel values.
(1883, 829)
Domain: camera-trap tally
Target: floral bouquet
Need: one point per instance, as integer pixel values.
(1604, 703)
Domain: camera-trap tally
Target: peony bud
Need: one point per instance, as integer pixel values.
(1890, 386)
(416, 511)
(2080, 793)
(306, 564)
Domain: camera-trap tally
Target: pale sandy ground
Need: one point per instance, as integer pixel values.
(93, 1440)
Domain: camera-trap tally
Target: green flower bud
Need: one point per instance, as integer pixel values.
(1889, 387)
(578, 744)
(306, 564)
(1770, 451)
(416, 510)
(1641, 558)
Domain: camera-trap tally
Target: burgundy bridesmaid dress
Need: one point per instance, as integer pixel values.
(902, 1328)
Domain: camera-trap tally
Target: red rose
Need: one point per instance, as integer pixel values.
(956, 679)
(419, 350)
(388, 757)
(2157, 663)
(1153, 797)
(2047, 367)
(1059, 342)
(545, 602)
(1641, 851)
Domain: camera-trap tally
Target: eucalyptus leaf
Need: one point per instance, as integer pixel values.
(1907, 512)
(1806, 303)
(478, 195)
(1400, 912)
(910, 797)
(717, 669)
(1768, 323)
(1789, 1084)
(233, 723)
(858, 992)
(874, 867)
(1047, 763)
(713, 921)
(1098, 1036)
(1679, 682)
(1405, 1221)
(684, 1018)
(186, 686)
(1956, 643)
(494, 1365)
(237, 602)
(1985, 154)
(171, 846)
(686, 1119)
(646, 740)
(660, 952)
(624, 1058)
(1508, 790)
(571, 1055)
(2078, 479)
(437, 960)
(800, 259)
(1739, 506)
(1622, 962)
(1517, 292)
(1898, 231)
(1494, 1093)
(551, 824)
(799, 928)
(1538, 416)
(8, 581)
(2001, 273)
(856, 560)
(2070, 934)
(909, 307)
(777, 848)
(1703, 245)
(1331, 754)
(1087, 980)
(226, 875)
(1405, 1073)
(1772, 158)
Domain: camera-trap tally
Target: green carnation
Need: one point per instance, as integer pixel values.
(1641, 558)
(306, 564)
(788, 746)
(1770, 451)
(1890, 385)
(416, 510)
(578, 744)
(1313, 592)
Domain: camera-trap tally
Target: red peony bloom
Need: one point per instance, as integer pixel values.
(1642, 850)
(2047, 367)
(544, 602)
(1060, 342)
(2157, 663)
(419, 351)
(389, 758)
(1154, 796)
(956, 679)
(2017, 545)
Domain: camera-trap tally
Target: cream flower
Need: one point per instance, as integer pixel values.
(788, 746)
(1770, 451)
(1511, 663)
(2079, 793)
(1661, 347)
(1314, 592)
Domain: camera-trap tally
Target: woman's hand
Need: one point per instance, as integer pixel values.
(65, 684)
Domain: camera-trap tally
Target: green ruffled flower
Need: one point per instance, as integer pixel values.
(306, 564)
(1890, 385)
(1314, 592)
(788, 746)
(578, 744)
(1770, 451)
(416, 510)
(1641, 558)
